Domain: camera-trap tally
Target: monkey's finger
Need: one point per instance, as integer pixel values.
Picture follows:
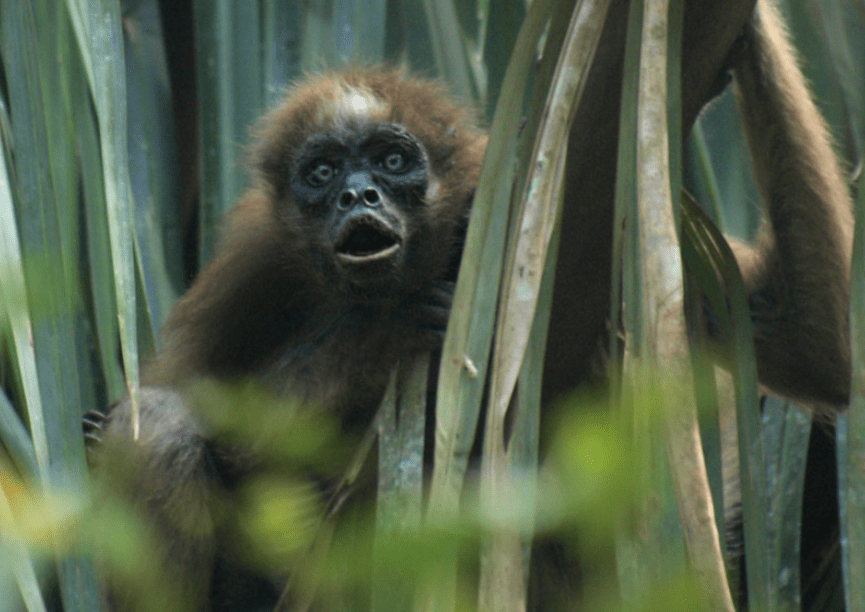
(92, 440)
(442, 293)
(95, 417)
(92, 422)
(433, 317)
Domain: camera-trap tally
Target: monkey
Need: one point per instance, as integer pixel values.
(339, 262)
(802, 356)
(799, 289)
(362, 185)
(797, 275)
(797, 280)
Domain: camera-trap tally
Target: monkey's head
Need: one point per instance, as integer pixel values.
(373, 175)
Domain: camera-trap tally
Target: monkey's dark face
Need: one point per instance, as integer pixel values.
(361, 188)
(371, 176)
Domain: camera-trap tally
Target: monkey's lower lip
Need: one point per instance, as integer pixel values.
(367, 242)
(368, 257)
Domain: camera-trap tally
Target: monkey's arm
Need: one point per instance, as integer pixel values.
(798, 274)
(581, 302)
(164, 478)
(251, 299)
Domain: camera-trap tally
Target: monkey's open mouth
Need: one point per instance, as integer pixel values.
(367, 240)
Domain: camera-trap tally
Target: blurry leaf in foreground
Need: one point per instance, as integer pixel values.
(45, 521)
(282, 429)
(278, 519)
(403, 559)
(590, 474)
(127, 552)
(408, 555)
(676, 595)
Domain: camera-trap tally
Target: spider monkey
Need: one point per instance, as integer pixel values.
(339, 262)
(797, 276)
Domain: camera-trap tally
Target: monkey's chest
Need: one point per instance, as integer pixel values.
(345, 371)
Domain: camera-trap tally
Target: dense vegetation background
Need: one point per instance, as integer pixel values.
(122, 128)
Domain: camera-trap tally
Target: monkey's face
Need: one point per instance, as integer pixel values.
(362, 190)
(370, 176)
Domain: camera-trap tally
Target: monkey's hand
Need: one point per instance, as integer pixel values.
(430, 310)
(92, 423)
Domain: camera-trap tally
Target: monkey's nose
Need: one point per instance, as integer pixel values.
(347, 198)
(350, 197)
(371, 197)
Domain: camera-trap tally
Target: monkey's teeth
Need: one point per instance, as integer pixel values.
(369, 257)
(367, 243)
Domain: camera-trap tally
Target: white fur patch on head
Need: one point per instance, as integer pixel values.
(358, 103)
(351, 103)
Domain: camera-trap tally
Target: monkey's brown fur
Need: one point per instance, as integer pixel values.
(281, 305)
(263, 288)
(799, 274)
(265, 309)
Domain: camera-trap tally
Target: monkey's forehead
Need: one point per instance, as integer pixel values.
(351, 104)
(357, 98)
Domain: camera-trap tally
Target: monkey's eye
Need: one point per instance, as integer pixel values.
(320, 174)
(395, 162)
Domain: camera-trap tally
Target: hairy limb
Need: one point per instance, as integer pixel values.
(581, 297)
(165, 473)
(798, 274)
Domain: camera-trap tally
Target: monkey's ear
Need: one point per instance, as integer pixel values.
(270, 162)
